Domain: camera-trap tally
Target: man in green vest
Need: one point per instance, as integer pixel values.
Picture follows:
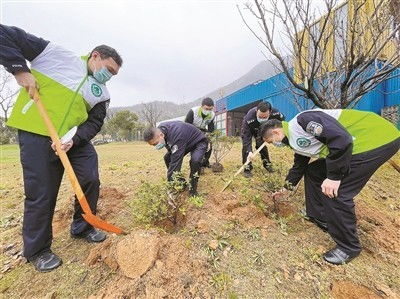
(349, 146)
(203, 118)
(73, 90)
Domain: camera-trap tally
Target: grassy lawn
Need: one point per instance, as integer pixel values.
(263, 250)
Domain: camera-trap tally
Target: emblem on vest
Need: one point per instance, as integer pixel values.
(96, 90)
(314, 128)
(303, 142)
(174, 149)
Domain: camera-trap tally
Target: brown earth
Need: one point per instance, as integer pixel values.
(381, 230)
(151, 265)
(228, 248)
(349, 290)
(111, 201)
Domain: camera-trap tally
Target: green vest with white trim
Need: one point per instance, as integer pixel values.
(66, 90)
(199, 121)
(369, 131)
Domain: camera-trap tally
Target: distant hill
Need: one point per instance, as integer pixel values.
(261, 71)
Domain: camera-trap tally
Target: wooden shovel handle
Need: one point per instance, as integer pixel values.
(243, 166)
(62, 154)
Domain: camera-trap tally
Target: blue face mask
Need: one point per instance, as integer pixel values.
(262, 120)
(159, 146)
(102, 75)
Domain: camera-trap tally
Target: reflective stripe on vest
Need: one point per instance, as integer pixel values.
(59, 73)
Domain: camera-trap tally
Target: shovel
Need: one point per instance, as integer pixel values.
(87, 212)
(243, 166)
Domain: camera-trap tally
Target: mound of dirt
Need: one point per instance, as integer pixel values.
(381, 230)
(155, 265)
(103, 253)
(349, 290)
(137, 253)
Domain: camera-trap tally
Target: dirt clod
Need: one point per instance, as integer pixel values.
(137, 253)
(350, 290)
(213, 244)
(202, 226)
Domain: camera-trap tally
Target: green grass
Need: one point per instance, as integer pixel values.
(9, 153)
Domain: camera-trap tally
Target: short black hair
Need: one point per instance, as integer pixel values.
(264, 106)
(149, 134)
(207, 102)
(107, 52)
(269, 125)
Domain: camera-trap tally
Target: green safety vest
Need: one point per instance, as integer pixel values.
(66, 90)
(199, 121)
(369, 131)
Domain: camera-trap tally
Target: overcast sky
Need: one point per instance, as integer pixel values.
(172, 50)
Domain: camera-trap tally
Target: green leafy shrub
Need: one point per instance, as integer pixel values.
(151, 204)
(156, 202)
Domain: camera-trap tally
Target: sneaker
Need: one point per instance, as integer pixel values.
(247, 173)
(45, 261)
(92, 236)
(338, 256)
(268, 167)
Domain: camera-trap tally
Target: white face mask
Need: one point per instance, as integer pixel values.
(278, 143)
(206, 112)
(262, 120)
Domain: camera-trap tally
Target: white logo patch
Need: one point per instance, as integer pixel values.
(314, 128)
(174, 148)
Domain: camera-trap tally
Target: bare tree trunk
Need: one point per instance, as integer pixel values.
(151, 113)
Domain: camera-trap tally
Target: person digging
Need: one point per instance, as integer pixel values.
(179, 139)
(349, 146)
(250, 127)
(73, 91)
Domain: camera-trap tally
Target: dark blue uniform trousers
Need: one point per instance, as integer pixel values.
(43, 172)
(339, 212)
(196, 158)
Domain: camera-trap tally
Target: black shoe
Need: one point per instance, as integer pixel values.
(247, 173)
(337, 256)
(45, 261)
(268, 167)
(191, 194)
(91, 235)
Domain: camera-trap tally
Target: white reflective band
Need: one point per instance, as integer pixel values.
(26, 107)
(68, 136)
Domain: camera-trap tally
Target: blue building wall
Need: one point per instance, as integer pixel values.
(392, 89)
(275, 90)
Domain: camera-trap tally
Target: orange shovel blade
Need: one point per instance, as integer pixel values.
(98, 223)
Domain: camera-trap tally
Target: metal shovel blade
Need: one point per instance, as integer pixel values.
(101, 224)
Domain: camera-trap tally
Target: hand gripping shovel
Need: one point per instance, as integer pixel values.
(87, 213)
(243, 166)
